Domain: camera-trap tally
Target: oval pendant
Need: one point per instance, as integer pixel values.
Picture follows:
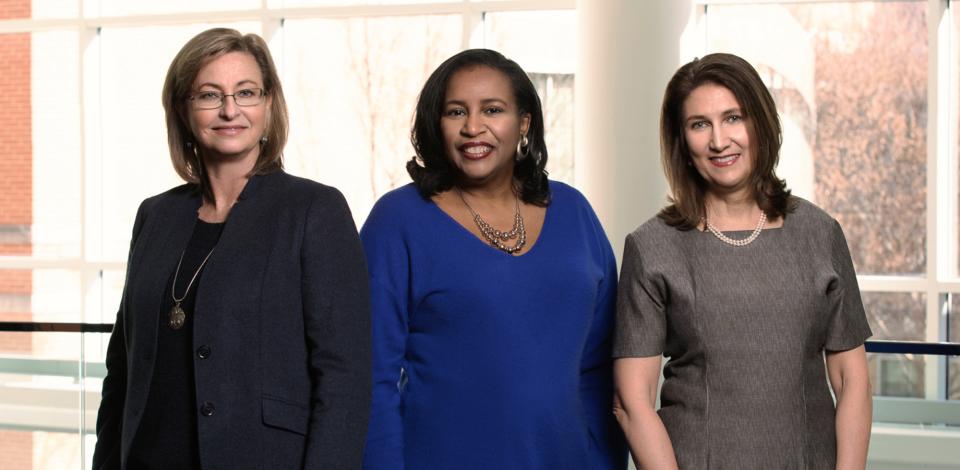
(177, 317)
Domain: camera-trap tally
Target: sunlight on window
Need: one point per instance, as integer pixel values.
(850, 80)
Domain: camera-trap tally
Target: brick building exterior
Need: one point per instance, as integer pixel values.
(16, 206)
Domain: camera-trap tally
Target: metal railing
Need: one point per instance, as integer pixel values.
(34, 327)
(913, 347)
(884, 347)
(894, 410)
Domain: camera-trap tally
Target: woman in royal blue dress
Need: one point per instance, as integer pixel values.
(493, 292)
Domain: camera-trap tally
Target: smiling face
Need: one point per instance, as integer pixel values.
(229, 132)
(482, 125)
(719, 137)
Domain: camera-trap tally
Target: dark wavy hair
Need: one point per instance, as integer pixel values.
(687, 206)
(431, 169)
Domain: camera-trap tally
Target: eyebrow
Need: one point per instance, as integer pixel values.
(484, 101)
(217, 86)
(702, 117)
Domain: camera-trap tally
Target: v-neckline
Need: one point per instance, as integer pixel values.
(466, 231)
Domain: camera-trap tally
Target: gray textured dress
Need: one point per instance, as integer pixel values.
(745, 329)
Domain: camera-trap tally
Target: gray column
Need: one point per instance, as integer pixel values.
(627, 50)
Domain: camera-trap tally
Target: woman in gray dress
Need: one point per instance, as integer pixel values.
(746, 289)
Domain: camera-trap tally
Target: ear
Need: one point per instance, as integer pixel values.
(524, 123)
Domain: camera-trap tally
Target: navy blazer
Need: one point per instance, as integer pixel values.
(285, 330)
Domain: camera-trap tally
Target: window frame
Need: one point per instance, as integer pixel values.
(88, 262)
(271, 20)
(940, 277)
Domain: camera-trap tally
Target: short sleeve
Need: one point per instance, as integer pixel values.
(640, 329)
(848, 327)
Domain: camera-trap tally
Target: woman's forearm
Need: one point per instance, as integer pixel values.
(649, 442)
(851, 385)
(854, 416)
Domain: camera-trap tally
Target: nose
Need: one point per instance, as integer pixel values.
(229, 108)
(472, 125)
(718, 138)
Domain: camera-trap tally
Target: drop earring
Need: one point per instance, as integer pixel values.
(523, 147)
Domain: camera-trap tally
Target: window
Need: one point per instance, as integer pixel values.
(84, 142)
(851, 81)
(544, 44)
(351, 106)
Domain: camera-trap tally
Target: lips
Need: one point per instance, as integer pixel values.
(725, 160)
(475, 150)
(229, 130)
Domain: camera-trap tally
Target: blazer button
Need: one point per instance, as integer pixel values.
(204, 351)
(207, 409)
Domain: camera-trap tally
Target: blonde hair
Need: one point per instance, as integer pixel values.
(177, 87)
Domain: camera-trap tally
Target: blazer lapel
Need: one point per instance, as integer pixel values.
(229, 289)
(165, 234)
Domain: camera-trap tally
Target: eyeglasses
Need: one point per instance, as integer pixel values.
(214, 100)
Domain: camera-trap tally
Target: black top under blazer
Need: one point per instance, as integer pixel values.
(285, 313)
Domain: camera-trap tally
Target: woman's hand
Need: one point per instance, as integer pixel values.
(634, 400)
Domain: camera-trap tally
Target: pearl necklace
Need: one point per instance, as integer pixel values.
(744, 242)
(496, 237)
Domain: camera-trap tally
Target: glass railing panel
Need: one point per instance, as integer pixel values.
(42, 393)
(953, 335)
(897, 316)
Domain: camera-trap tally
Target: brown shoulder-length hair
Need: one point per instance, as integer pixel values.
(178, 86)
(687, 188)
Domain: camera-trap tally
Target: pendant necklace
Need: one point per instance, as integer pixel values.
(177, 315)
(496, 237)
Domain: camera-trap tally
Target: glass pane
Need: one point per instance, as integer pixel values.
(901, 317)
(896, 375)
(351, 106)
(16, 285)
(16, 162)
(95, 8)
(43, 9)
(132, 140)
(41, 295)
(38, 9)
(40, 156)
(103, 298)
(41, 450)
(953, 335)
(850, 80)
(39, 396)
(55, 79)
(323, 3)
(896, 316)
(14, 9)
(544, 44)
(955, 11)
(94, 370)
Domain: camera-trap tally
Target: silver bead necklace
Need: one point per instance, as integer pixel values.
(742, 242)
(496, 237)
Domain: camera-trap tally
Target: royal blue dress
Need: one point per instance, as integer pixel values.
(485, 360)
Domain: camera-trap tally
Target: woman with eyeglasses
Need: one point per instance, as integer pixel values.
(243, 337)
(749, 291)
(493, 292)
